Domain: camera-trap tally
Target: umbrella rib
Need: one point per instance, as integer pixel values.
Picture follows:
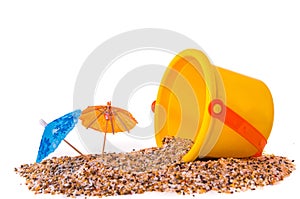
(106, 124)
(112, 125)
(88, 126)
(123, 124)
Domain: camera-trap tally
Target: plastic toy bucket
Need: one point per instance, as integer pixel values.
(226, 114)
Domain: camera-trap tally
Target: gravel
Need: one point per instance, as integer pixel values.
(152, 169)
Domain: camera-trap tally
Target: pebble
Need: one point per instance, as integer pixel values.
(152, 169)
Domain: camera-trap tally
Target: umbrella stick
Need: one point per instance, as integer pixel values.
(72, 147)
(104, 141)
(44, 124)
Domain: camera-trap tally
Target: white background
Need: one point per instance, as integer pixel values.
(43, 45)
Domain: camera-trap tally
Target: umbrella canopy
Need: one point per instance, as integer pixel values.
(107, 119)
(55, 132)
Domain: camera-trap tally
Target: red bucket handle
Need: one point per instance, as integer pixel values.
(217, 109)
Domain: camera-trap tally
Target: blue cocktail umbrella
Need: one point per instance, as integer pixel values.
(55, 132)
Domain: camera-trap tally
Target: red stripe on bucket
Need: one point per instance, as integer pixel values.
(218, 110)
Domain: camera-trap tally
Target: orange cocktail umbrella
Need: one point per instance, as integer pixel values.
(107, 119)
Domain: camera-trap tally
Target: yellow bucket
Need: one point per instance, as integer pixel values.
(226, 114)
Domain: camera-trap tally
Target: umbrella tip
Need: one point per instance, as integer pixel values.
(43, 123)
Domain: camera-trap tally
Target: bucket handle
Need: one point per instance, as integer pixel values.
(217, 109)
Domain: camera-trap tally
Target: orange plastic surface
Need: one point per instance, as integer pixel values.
(238, 124)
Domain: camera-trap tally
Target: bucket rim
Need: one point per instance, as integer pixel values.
(210, 128)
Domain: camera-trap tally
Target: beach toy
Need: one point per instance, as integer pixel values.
(55, 132)
(107, 119)
(226, 114)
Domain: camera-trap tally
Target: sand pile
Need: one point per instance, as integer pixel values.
(152, 169)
